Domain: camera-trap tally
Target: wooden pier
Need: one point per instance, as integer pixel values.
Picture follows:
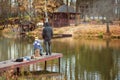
(11, 64)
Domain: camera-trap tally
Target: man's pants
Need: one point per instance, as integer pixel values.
(47, 47)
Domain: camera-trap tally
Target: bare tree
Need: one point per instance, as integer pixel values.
(77, 10)
(5, 7)
(39, 5)
(103, 8)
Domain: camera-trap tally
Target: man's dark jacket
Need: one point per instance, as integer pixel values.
(47, 33)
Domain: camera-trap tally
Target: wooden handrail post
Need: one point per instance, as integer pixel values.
(18, 70)
(45, 67)
(59, 63)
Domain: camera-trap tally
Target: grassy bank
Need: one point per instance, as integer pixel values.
(98, 31)
(80, 31)
(90, 31)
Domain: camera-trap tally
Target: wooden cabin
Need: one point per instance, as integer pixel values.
(64, 16)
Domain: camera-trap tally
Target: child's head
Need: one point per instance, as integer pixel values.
(37, 53)
(36, 38)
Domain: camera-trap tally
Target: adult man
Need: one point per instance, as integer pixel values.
(47, 35)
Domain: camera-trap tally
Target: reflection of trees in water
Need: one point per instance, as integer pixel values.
(81, 62)
(116, 62)
(96, 62)
(116, 67)
(23, 47)
(14, 48)
(3, 48)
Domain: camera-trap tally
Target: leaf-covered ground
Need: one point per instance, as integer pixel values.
(88, 30)
(82, 30)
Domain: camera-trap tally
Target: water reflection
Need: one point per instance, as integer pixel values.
(14, 48)
(89, 59)
(82, 60)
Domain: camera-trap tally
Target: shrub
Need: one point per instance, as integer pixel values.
(100, 35)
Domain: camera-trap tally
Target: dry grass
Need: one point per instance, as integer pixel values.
(82, 30)
(88, 30)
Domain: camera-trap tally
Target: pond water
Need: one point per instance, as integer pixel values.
(96, 59)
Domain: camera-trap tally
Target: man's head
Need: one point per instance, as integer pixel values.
(46, 24)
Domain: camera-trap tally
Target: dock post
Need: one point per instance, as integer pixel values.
(45, 65)
(18, 70)
(59, 64)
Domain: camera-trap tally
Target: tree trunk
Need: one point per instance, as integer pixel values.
(76, 16)
(67, 12)
(107, 26)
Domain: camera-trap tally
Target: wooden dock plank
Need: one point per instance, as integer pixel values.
(9, 64)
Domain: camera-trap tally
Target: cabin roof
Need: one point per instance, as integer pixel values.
(63, 8)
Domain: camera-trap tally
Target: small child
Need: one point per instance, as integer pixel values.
(28, 58)
(38, 50)
(36, 54)
(37, 46)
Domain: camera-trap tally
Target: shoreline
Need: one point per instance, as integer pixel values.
(80, 31)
